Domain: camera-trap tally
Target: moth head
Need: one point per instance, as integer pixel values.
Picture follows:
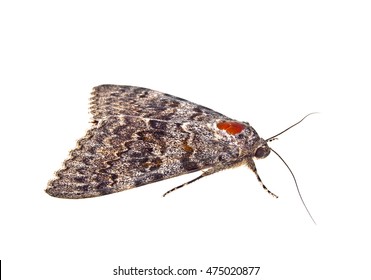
(262, 149)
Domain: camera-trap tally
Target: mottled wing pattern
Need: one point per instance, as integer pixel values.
(115, 100)
(123, 152)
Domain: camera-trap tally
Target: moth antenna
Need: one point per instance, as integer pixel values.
(275, 136)
(297, 187)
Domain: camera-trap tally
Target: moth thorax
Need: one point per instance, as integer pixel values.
(231, 127)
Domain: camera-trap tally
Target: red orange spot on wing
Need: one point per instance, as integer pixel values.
(231, 127)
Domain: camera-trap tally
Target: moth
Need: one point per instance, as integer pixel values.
(140, 136)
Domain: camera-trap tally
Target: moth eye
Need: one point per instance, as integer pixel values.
(260, 152)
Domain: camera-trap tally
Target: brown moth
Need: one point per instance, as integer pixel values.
(140, 136)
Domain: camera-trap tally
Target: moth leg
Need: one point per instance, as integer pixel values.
(251, 165)
(182, 185)
(204, 174)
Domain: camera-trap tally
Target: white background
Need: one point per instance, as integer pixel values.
(265, 62)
